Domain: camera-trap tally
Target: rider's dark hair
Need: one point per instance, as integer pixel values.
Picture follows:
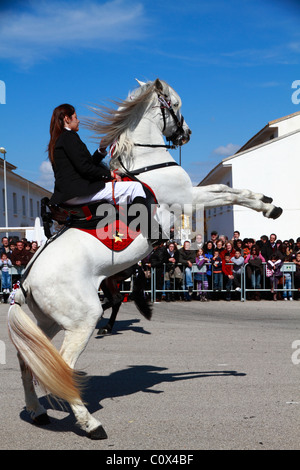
(57, 126)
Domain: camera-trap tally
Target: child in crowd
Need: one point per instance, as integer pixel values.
(201, 276)
(238, 263)
(287, 281)
(227, 275)
(5, 264)
(217, 271)
(274, 273)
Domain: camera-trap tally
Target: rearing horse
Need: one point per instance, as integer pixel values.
(136, 129)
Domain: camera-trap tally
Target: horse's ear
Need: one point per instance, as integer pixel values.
(140, 83)
(158, 85)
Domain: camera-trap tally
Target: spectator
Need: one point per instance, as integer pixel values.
(296, 247)
(34, 247)
(274, 273)
(287, 281)
(227, 275)
(297, 273)
(198, 243)
(216, 263)
(254, 269)
(273, 238)
(245, 247)
(220, 247)
(187, 258)
(172, 270)
(238, 263)
(20, 258)
(156, 260)
(235, 238)
(248, 246)
(214, 237)
(5, 265)
(291, 243)
(12, 247)
(224, 239)
(239, 246)
(265, 247)
(5, 248)
(200, 276)
(209, 253)
(228, 250)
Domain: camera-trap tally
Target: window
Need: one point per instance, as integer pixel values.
(23, 206)
(31, 207)
(15, 205)
(38, 208)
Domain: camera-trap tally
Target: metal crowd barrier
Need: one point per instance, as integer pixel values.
(152, 288)
(288, 268)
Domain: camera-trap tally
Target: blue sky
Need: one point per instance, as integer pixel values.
(233, 62)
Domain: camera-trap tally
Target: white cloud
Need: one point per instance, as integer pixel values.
(50, 27)
(46, 177)
(226, 150)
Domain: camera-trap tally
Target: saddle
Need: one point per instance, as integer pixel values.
(111, 229)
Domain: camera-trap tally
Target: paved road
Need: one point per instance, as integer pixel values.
(197, 376)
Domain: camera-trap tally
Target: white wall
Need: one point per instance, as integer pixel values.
(273, 169)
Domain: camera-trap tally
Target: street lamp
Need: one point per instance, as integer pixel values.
(3, 151)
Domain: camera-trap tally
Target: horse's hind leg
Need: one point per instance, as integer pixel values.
(33, 406)
(73, 345)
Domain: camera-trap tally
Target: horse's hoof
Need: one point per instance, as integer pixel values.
(41, 420)
(106, 330)
(276, 212)
(267, 200)
(98, 433)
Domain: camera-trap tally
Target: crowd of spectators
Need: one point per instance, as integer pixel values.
(213, 270)
(197, 270)
(14, 253)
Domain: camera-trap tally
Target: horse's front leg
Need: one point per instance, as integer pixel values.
(217, 195)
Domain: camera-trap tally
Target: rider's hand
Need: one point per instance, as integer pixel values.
(115, 175)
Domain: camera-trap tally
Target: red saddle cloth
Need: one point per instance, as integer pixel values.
(116, 236)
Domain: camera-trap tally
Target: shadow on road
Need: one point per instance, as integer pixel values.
(133, 379)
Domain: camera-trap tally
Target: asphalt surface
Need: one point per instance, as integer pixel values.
(198, 376)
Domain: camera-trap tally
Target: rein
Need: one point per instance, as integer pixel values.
(146, 168)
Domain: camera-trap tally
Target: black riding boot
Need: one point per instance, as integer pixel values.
(150, 228)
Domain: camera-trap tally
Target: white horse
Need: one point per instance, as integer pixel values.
(61, 292)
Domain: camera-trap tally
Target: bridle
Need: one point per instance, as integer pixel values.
(175, 137)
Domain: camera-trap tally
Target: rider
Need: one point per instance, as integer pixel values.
(79, 177)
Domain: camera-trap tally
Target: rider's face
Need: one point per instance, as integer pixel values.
(72, 122)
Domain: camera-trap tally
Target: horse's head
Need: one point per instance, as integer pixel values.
(173, 125)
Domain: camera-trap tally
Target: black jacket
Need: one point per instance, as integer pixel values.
(76, 172)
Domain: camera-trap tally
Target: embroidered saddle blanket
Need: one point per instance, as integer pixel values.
(113, 227)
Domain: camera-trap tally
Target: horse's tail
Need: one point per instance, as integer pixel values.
(40, 356)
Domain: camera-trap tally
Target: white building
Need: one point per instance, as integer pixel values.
(23, 201)
(268, 163)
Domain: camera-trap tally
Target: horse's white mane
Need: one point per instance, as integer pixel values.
(112, 125)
